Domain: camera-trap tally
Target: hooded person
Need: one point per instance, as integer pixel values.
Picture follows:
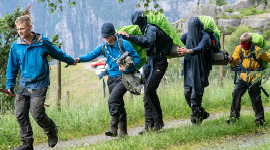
(195, 68)
(156, 42)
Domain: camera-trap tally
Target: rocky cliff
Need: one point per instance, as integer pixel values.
(258, 22)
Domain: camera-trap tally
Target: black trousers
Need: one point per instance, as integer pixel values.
(32, 100)
(116, 101)
(153, 112)
(240, 89)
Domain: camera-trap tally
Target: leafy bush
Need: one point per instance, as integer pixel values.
(229, 10)
(230, 30)
(266, 35)
(232, 41)
(251, 11)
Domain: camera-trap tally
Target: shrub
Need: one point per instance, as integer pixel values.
(229, 10)
(232, 41)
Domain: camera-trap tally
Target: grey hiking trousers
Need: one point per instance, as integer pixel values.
(33, 100)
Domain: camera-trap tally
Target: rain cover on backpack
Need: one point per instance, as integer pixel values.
(211, 27)
(162, 22)
(259, 41)
(135, 30)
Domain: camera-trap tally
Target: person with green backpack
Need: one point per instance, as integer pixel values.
(195, 68)
(157, 44)
(246, 53)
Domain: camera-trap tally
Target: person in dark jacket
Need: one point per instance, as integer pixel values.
(195, 69)
(157, 43)
(29, 53)
(116, 88)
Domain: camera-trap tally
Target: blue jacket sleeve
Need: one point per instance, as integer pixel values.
(133, 53)
(184, 38)
(12, 69)
(204, 43)
(92, 55)
(147, 40)
(56, 53)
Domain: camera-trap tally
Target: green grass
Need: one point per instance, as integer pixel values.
(187, 137)
(87, 112)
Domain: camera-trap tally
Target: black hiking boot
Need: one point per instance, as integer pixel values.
(259, 122)
(123, 128)
(205, 114)
(114, 127)
(159, 124)
(26, 145)
(147, 129)
(196, 116)
(233, 118)
(52, 137)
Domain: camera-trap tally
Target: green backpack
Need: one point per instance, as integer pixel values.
(135, 30)
(259, 41)
(209, 22)
(162, 22)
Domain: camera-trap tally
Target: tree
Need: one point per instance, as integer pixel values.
(56, 5)
(8, 35)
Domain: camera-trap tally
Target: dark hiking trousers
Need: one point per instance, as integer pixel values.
(153, 112)
(116, 101)
(240, 89)
(32, 100)
(194, 101)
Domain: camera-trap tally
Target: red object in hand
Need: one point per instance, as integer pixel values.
(214, 43)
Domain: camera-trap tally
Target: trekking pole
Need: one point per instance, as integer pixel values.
(6, 91)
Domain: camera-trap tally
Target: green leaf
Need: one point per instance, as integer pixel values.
(61, 8)
(156, 6)
(60, 1)
(145, 5)
(73, 3)
(51, 11)
(55, 7)
(52, 4)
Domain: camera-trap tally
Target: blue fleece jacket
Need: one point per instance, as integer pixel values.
(115, 52)
(32, 60)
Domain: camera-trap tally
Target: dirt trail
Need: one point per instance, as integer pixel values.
(134, 132)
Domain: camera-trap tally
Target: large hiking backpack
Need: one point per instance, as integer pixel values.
(219, 57)
(135, 30)
(162, 22)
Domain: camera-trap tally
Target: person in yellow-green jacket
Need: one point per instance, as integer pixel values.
(248, 64)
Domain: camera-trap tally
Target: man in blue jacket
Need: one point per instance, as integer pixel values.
(113, 51)
(29, 53)
(157, 44)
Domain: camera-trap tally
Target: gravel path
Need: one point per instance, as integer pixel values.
(134, 132)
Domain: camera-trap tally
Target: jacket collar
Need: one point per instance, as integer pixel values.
(37, 39)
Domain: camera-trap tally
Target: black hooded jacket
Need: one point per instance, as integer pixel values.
(153, 36)
(195, 68)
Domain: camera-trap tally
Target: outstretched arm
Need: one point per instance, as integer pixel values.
(56, 53)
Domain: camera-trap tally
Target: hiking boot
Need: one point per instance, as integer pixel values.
(26, 145)
(52, 137)
(144, 131)
(232, 120)
(196, 116)
(123, 128)
(205, 114)
(114, 127)
(158, 125)
(259, 123)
